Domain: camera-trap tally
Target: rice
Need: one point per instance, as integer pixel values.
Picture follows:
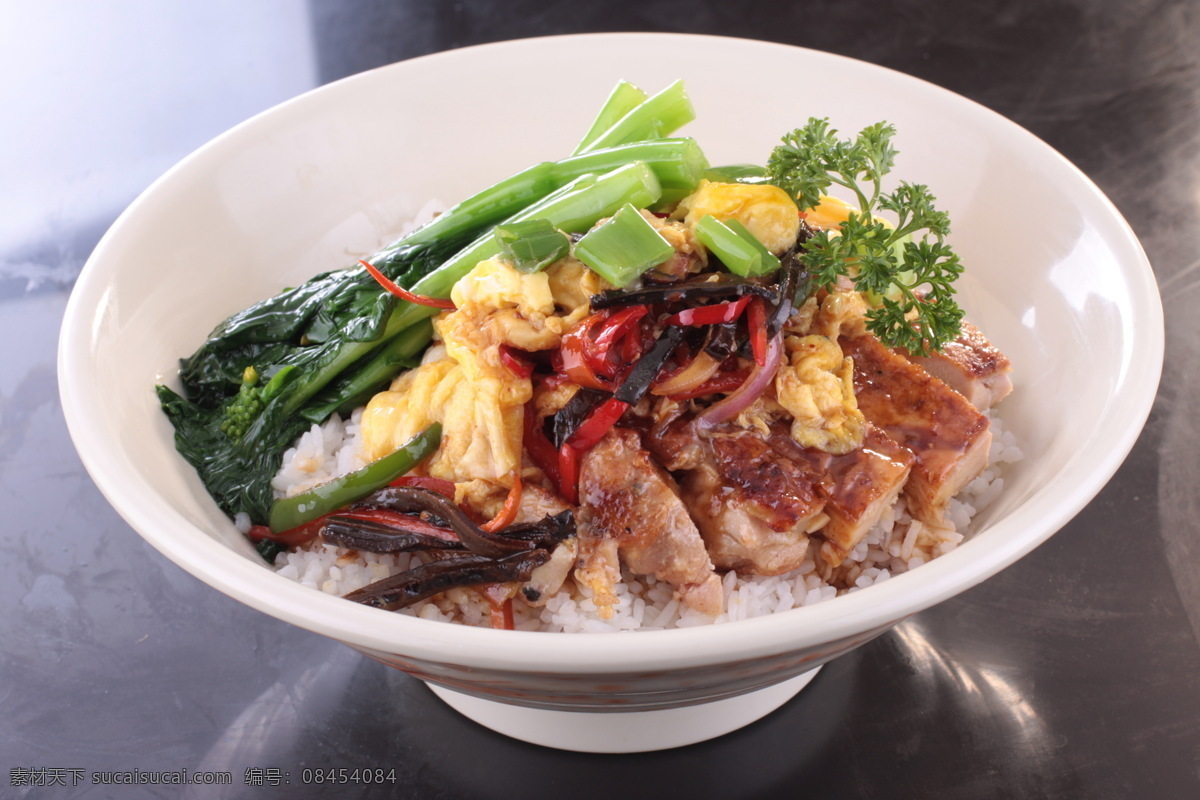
(895, 545)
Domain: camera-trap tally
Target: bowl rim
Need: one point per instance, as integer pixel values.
(877, 606)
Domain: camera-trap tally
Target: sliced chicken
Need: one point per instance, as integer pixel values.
(754, 504)
(947, 435)
(626, 498)
(858, 487)
(971, 366)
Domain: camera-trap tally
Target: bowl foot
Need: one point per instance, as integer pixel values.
(625, 731)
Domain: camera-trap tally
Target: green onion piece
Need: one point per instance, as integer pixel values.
(623, 247)
(532, 245)
(326, 498)
(659, 115)
(624, 98)
(736, 247)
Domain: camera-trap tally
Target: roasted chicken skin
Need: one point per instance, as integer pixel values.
(948, 437)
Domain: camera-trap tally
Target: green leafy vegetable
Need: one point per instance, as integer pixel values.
(908, 269)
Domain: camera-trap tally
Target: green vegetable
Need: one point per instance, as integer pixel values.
(352, 390)
(338, 334)
(327, 497)
(532, 245)
(329, 343)
(624, 98)
(737, 248)
(911, 280)
(624, 247)
(269, 550)
(657, 116)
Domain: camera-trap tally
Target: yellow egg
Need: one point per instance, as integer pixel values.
(765, 210)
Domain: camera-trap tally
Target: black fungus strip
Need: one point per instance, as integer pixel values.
(546, 532)
(722, 340)
(410, 498)
(568, 418)
(379, 537)
(427, 580)
(638, 381)
(724, 288)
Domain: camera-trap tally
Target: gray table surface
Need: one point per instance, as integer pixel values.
(1075, 673)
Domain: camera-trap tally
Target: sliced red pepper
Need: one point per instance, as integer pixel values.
(539, 447)
(294, 537)
(709, 315)
(568, 470)
(570, 358)
(405, 294)
(617, 325)
(597, 424)
(756, 320)
(502, 615)
(517, 365)
(509, 512)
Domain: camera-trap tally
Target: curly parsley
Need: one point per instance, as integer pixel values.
(908, 271)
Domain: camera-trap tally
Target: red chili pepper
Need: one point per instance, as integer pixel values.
(516, 364)
(509, 512)
(294, 537)
(405, 294)
(756, 320)
(502, 615)
(595, 426)
(540, 450)
(631, 344)
(439, 485)
(617, 325)
(568, 470)
(571, 359)
(715, 314)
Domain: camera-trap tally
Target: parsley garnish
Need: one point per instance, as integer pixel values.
(907, 271)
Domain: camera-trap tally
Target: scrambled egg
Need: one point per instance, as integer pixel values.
(765, 210)
(816, 386)
(478, 400)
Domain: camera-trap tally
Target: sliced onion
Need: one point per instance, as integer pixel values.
(701, 368)
(756, 383)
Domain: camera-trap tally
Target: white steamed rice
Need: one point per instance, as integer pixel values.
(897, 544)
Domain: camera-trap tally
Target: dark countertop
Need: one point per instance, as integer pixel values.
(1075, 673)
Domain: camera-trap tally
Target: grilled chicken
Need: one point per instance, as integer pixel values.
(753, 505)
(857, 487)
(948, 437)
(626, 498)
(757, 500)
(971, 366)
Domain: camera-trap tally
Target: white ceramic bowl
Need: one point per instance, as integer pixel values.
(1056, 279)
